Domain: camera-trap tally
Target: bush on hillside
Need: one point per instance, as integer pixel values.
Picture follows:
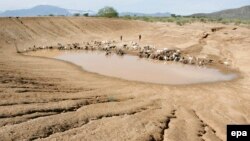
(77, 14)
(86, 14)
(127, 17)
(108, 12)
(173, 15)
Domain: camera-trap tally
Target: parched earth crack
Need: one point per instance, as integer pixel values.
(29, 114)
(53, 130)
(202, 132)
(63, 110)
(49, 101)
(21, 119)
(166, 125)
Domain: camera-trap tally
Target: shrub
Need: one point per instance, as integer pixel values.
(77, 14)
(203, 20)
(179, 23)
(109, 12)
(237, 22)
(173, 15)
(170, 20)
(86, 14)
(220, 19)
(127, 17)
(147, 19)
(225, 21)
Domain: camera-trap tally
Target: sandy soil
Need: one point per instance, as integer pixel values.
(46, 99)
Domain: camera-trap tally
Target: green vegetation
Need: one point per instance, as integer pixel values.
(86, 14)
(179, 20)
(77, 14)
(108, 12)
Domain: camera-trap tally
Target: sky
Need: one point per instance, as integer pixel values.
(182, 7)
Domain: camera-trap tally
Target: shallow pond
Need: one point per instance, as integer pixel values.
(136, 69)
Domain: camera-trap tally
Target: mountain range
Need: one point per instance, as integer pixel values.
(41, 10)
(237, 13)
(36, 11)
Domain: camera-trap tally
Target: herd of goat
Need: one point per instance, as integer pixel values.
(130, 48)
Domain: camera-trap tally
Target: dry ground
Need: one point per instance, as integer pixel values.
(46, 99)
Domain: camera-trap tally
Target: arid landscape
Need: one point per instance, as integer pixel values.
(47, 99)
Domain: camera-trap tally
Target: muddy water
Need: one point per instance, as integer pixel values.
(136, 69)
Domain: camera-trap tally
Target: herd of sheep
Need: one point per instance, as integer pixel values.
(132, 48)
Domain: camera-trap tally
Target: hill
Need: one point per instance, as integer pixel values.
(237, 13)
(36, 11)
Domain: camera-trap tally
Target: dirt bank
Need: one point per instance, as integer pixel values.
(48, 99)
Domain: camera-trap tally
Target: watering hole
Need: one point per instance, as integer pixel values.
(136, 69)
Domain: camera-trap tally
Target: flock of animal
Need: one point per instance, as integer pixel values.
(132, 48)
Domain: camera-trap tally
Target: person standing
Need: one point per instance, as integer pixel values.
(121, 37)
(139, 37)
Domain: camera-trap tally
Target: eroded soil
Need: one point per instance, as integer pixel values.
(46, 99)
